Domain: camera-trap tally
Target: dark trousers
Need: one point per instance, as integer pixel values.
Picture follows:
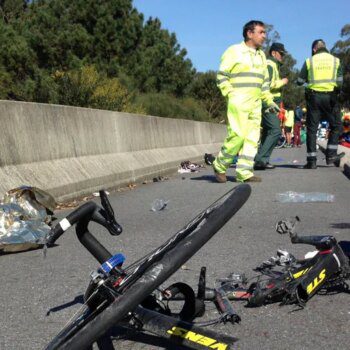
(271, 132)
(325, 106)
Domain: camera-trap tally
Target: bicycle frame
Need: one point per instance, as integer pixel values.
(152, 270)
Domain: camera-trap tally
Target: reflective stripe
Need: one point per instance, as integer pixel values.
(241, 74)
(311, 154)
(265, 88)
(311, 70)
(225, 74)
(221, 80)
(242, 166)
(334, 69)
(225, 154)
(246, 157)
(339, 79)
(223, 162)
(323, 81)
(332, 147)
(244, 85)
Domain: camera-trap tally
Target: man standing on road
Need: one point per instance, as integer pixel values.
(324, 76)
(271, 129)
(243, 79)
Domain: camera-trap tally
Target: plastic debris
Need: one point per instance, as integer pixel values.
(25, 215)
(32, 199)
(97, 194)
(278, 159)
(296, 197)
(159, 204)
(183, 171)
(188, 167)
(160, 178)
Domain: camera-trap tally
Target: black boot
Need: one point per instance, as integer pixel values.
(334, 159)
(311, 164)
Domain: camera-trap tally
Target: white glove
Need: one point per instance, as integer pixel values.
(272, 108)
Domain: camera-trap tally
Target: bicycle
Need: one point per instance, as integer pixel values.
(288, 280)
(118, 295)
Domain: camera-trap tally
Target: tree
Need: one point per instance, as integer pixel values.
(17, 65)
(293, 95)
(86, 87)
(204, 89)
(161, 64)
(341, 49)
(111, 35)
(11, 10)
(42, 37)
(272, 36)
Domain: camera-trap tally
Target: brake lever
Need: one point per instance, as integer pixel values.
(108, 213)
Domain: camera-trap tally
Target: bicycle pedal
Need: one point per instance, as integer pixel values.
(232, 318)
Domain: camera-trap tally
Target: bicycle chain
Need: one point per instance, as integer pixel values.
(338, 281)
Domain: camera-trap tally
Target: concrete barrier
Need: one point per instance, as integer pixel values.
(71, 151)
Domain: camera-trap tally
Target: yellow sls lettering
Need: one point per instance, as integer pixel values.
(316, 281)
(300, 273)
(199, 339)
(219, 346)
(196, 338)
(180, 332)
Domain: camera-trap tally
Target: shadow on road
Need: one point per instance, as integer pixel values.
(211, 178)
(77, 300)
(296, 166)
(123, 334)
(341, 225)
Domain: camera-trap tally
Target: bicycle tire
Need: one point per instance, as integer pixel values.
(218, 215)
(281, 142)
(88, 311)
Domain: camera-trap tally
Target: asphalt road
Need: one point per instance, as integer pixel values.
(31, 286)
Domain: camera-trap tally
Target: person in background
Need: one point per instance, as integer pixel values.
(244, 80)
(288, 127)
(271, 129)
(323, 74)
(298, 116)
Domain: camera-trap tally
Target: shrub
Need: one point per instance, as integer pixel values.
(163, 105)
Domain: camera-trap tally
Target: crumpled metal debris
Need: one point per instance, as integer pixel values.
(25, 215)
(188, 167)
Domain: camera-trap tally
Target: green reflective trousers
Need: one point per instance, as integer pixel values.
(243, 132)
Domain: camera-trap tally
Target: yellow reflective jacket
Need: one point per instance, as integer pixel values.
(322, 71)
(275, 80)
(243, 75)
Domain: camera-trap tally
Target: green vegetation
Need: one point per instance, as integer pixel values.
(341, 49)
(103, 54)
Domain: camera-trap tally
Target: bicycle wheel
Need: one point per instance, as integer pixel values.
(281, 142)
(94, 303)
(206, 225)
